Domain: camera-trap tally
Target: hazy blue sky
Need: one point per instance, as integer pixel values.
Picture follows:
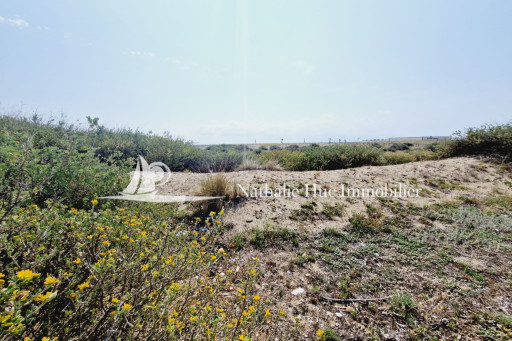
(315, 69)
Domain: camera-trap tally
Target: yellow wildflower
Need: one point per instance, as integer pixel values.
(94, 202)
(145, 267)
(127, 306)
(77, 261)
(83, 285)
(267, 312)
(256, 298)
(320, 332)
(51, 280)
(44, 297)
(27, 274)
(115, 300)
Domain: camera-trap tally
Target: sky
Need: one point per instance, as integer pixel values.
(261, 70)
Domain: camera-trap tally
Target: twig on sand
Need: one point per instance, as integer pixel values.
(330, 299)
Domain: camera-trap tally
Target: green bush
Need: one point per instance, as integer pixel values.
(398, 146)
(325, 158)
(489, 140)
(338, 157)
(32, 175)
(396, 158)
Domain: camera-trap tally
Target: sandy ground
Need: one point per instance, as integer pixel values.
(395, 269)
(462, 176)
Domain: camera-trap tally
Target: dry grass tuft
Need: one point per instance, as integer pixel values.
(217, 185)
(272, 165)
(248, 164)
(252, 164)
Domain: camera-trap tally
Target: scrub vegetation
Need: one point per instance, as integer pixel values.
(75, 267)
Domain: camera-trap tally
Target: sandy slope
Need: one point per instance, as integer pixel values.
(462, 176)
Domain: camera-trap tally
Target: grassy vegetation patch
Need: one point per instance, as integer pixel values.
(266, 237)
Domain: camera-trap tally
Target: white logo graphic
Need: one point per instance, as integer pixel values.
(144, 182)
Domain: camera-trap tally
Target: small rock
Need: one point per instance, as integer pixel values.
(298, 291)
(340, 315)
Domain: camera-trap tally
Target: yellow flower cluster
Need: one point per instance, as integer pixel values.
(84, 285)
(44, 297)
(51, 280)
(27, 274)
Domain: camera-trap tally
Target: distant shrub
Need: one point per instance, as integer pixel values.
(424, 155)
(325, 158)
(207, 162)
(396, 158)
(489, 140)
(292, 147)
(432, 147)
(338, 157)
(398, 146)
(274, 147)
